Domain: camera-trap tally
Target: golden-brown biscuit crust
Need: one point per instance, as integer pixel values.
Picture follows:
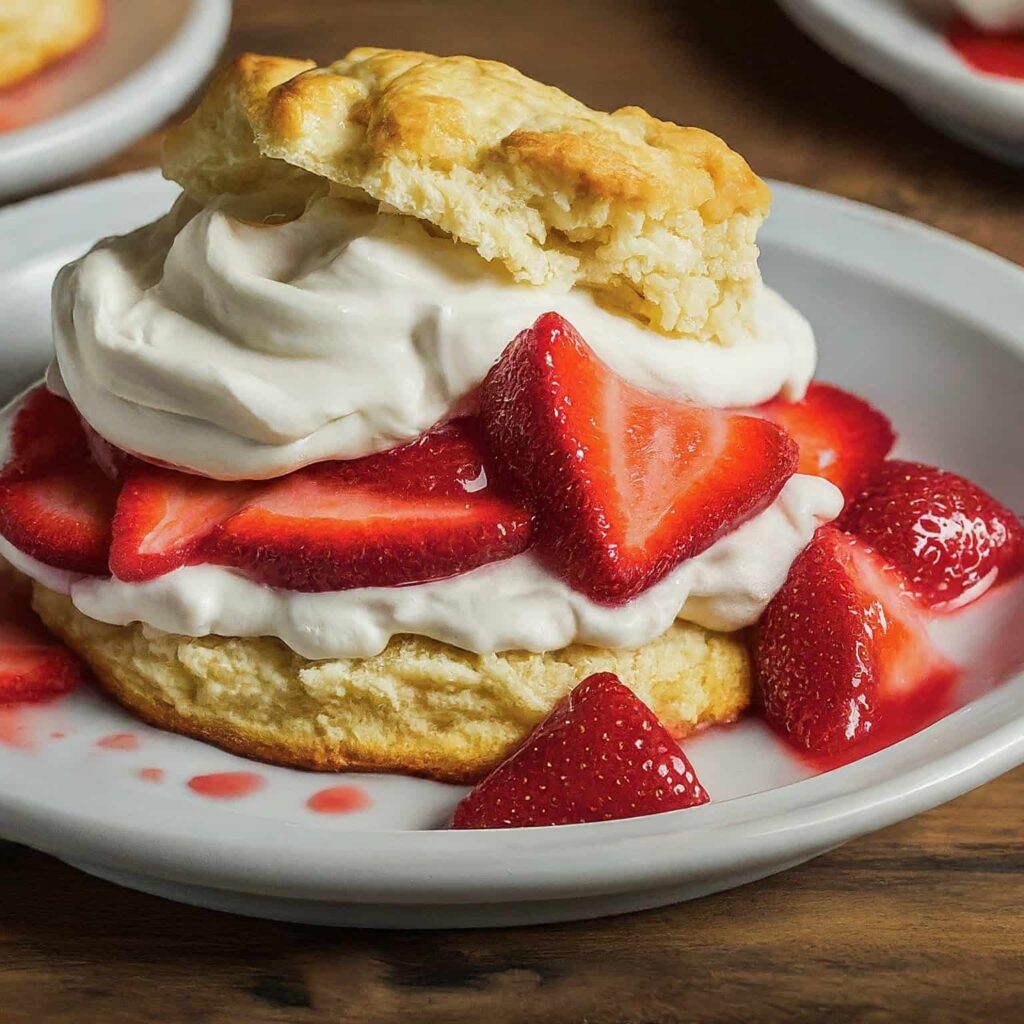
(420, 707)
(35, 33)
(658, 218)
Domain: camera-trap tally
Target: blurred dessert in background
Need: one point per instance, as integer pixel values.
(36, 33)
(993, 15)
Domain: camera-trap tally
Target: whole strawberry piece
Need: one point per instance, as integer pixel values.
(950, 538)
(601, 754)
(841, 437)
(840, 644)
(626, 484)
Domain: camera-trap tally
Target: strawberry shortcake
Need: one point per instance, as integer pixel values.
(435, 394)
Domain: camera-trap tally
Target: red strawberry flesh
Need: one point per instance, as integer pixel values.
(62, 519)
(425, 511)
(950, 538)
(55, 504)
(600, 755)
(841, 437)
(33, 666)
(626, 484)
(840, 644)
(164, 518)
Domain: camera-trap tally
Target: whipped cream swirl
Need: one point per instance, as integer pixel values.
(244, 350)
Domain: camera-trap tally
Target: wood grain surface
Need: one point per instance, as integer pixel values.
(921, 922)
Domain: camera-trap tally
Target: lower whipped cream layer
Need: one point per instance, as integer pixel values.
(517, 604)
(245, 350)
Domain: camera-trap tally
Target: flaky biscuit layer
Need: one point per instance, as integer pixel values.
(420, 707)
(659, 219)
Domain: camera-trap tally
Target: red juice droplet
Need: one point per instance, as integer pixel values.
(994, 53)
(119, 741)
(226, 785)
(13, 730)
(58, 735)
(152, 774)
(338, 800)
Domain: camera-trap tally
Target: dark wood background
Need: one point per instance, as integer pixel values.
(921, 922)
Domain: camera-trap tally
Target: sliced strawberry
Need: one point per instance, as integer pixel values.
(841, 437)
(626, 484)
(425, 511)
(840, 645)
(110, 460)
(164, 518)
(55, 504)
(601, 754)
(33, 666)
(950, 538)
(62, 519)
(47, 433)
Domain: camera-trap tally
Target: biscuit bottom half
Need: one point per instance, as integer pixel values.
(419, 707)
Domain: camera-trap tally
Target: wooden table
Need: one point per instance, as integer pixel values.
(921, 922)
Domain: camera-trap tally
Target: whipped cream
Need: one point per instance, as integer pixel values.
(246, 350)
(517, 604)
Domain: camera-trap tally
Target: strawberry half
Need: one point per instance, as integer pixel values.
(33, 666)
(601, 754)
(626, 484)
(950, 538)
(840, 646)
(841, 437)
(425, 511)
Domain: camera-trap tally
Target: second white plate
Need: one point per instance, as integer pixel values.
(146, 61)
(900, 44)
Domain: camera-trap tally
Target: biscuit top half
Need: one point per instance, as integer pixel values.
(657, 219)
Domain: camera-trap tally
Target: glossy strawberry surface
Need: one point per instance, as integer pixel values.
(601, 754)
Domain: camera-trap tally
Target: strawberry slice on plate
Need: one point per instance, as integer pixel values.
(841, 437)
(601, 754)
(626, 484)
(951, 539)
(841, 646)
(33, 666)
(425, 511)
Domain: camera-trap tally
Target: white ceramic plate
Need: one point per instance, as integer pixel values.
(900, 45)
(926, 326)
(146, 61)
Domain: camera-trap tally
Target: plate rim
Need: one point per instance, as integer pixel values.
(41, 153)
(935, 83)
(442, 866)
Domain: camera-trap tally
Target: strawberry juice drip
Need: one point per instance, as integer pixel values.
(338, 800)
(226, 785)
(930, 701)
(119, 741)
